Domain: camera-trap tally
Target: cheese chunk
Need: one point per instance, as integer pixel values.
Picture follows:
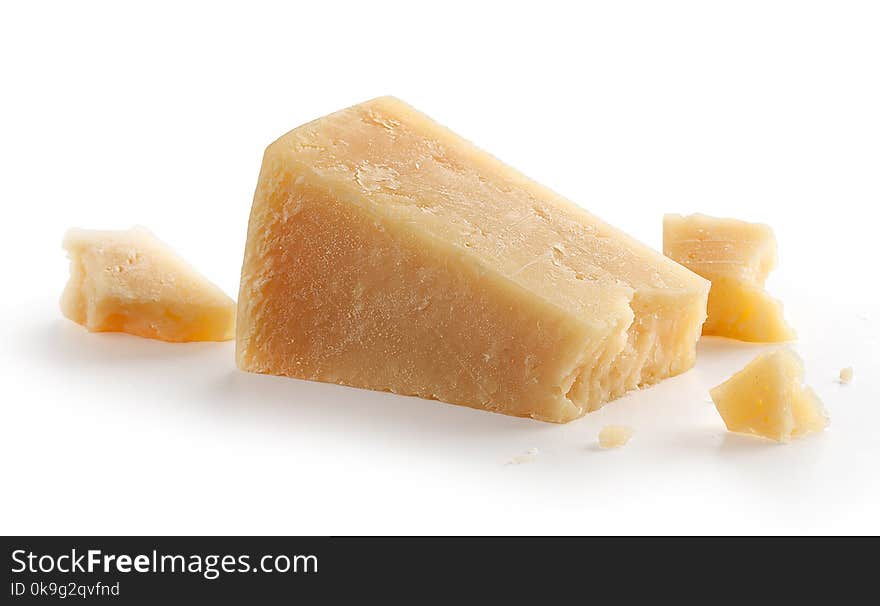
(614, 436)
(846, 374)
(129, 281)
(385, 252)
(767, 398)
(737, 257)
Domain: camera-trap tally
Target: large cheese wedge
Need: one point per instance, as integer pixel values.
(386, 252)
(768, 398)
(129, 281)
(737, 257)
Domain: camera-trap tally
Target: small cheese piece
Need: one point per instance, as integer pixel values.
(614, 436)
(767, 398)
(129, 281)
(385, 252)
(736, 257)
(530, 455)
(846, 374)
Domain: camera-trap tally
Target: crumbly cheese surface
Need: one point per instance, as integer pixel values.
(129, 281)
(736, 257)
(386, 252)
(768, 398)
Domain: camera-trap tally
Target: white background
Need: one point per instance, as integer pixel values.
(114, 114)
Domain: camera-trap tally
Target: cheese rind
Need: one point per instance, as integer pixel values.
(129, 281)
(767, 398)
(736, 257)
(386, 252)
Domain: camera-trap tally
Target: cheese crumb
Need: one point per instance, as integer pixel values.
(614, 436)
(846, 375)
(529, 456)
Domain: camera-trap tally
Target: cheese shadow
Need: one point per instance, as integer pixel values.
(66, 344)
(280, 401)
(204, 376)
(714, 346)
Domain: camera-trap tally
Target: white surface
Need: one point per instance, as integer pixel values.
(113, 115)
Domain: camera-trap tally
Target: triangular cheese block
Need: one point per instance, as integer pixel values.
(388, 253)
(129, 281)
(768, 398)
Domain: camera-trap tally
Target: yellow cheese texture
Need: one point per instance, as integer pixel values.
(129, 281)
(385, 252)
(768, 398)
(614, 436)
(736, 257)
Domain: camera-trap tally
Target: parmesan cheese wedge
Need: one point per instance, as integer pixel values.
(768, 398)
(129, 281)
(386, 252)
